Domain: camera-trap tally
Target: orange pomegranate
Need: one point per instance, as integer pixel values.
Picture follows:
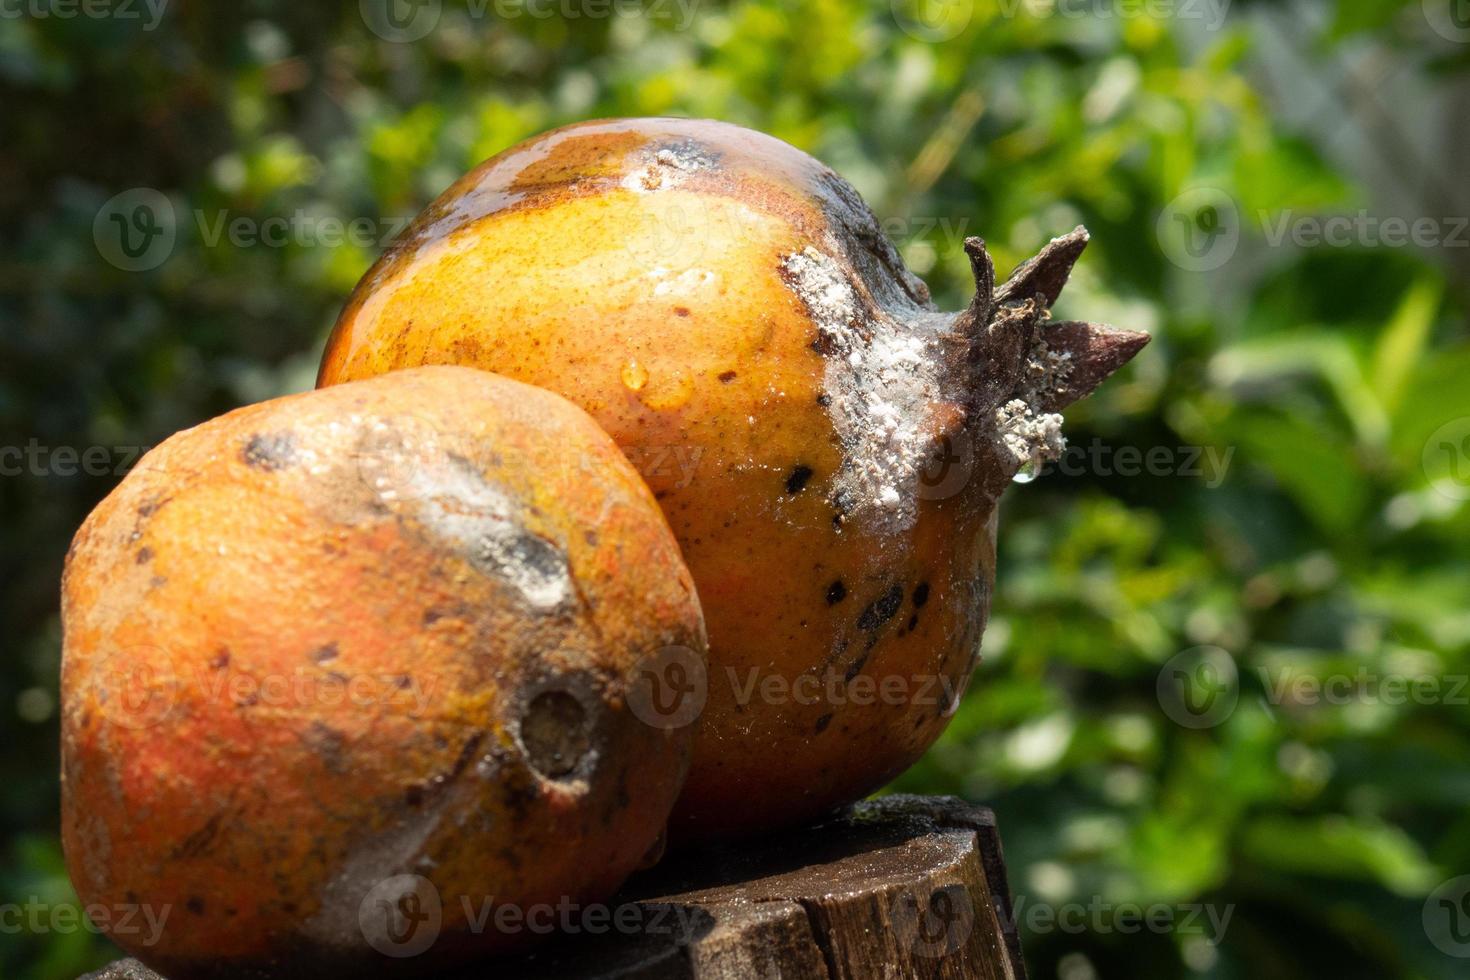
(828, 446)
(346, 672)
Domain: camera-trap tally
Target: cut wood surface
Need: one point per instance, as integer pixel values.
(901, 887)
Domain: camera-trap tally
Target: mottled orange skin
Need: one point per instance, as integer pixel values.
(289, 672)
(635, 266)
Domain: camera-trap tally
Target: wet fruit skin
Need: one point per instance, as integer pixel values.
(384, 629)
(827, 446)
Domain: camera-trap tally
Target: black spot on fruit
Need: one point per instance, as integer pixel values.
(727, 376)
(881, 609)
(325, 653)
(195, 904)
(823, 722)
(555, 733)
(328, 743)
(145, 555)
(801, 475)
(913, 621)
(921, 595)
(836, 592)
(274, 451)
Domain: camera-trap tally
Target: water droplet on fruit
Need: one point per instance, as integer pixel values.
(634, 376)
(1028, 472)
(671, 390)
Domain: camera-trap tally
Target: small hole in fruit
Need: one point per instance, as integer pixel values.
(798, 478)
(554, 733)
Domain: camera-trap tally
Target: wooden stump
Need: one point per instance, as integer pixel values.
(901, 887)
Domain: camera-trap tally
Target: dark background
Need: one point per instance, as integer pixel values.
(1144, 723)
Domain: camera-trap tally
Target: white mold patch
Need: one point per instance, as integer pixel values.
(1028, 438)
(458, 505)
(881, 385)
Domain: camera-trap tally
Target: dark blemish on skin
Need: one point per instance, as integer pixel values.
(220, 660)
(913, 621)
(823, 722)
(414, 796)
(195, 904)
(199, 841)
(555, 733)
(856, 666)
(726, 376)
(325, 653)
(824, 399)
(681, 311)
(145, 555)
(270, 452)
(836, 592)
(825, 344)
(800, 476)
(327, 743)
(881, 609)
(921, 595)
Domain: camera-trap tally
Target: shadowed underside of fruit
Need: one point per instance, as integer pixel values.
(827, 445)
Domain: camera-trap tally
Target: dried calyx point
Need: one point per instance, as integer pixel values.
(1021, 368)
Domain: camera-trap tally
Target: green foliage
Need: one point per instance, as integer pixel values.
(1319, 535)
